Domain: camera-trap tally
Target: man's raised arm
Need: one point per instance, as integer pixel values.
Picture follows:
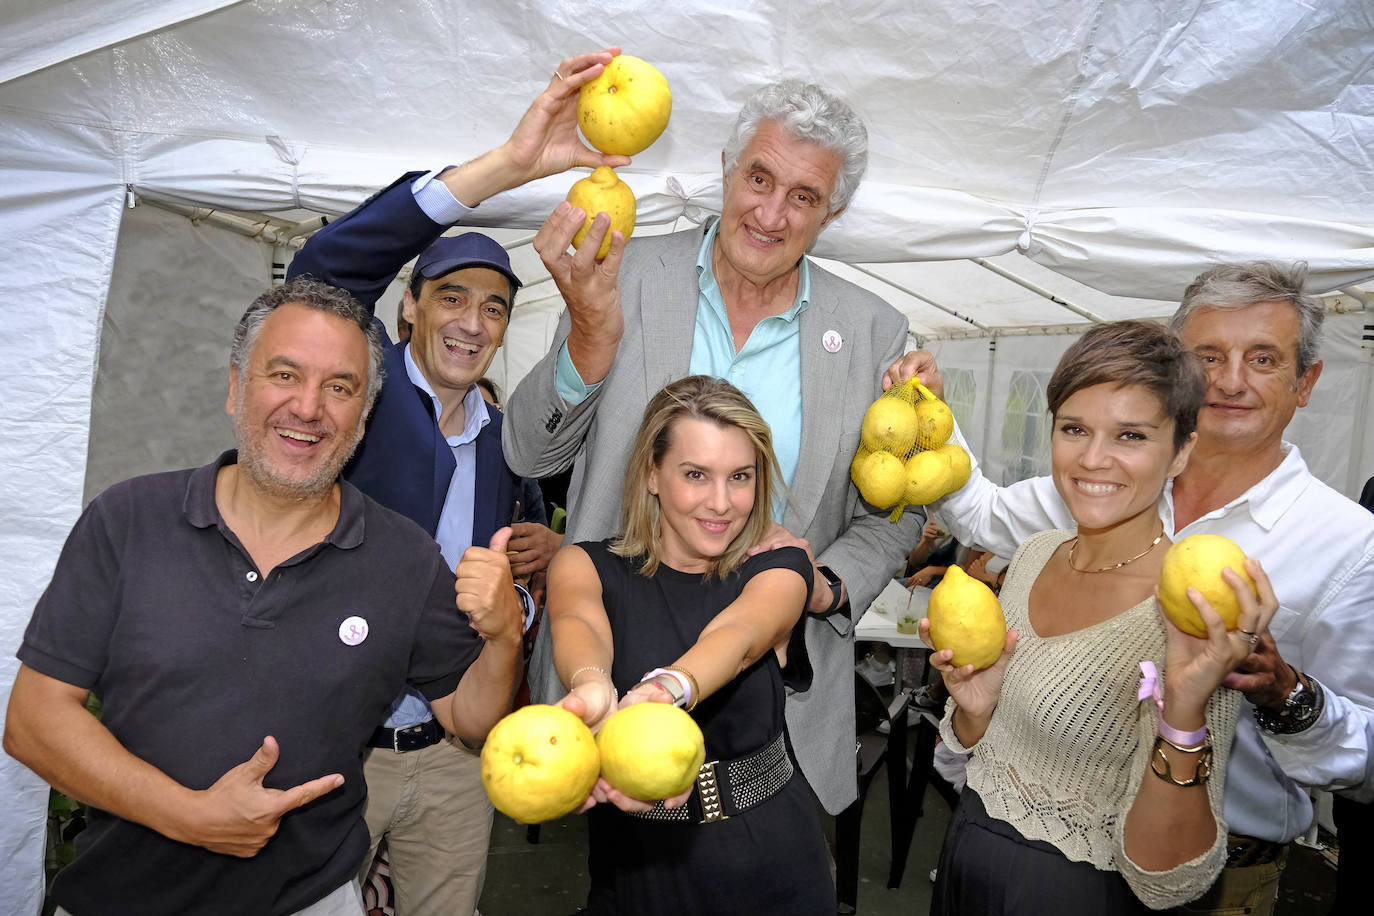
(364, 250)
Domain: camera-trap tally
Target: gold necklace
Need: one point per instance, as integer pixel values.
(1074, 546)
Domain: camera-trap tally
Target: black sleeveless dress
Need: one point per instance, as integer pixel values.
(770, 858)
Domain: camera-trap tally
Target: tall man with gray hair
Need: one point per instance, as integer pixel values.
(1308, 720)
(738, 299)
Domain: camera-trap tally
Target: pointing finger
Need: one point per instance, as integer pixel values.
(307, 792)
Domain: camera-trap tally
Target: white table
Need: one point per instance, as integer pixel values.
(879, 622)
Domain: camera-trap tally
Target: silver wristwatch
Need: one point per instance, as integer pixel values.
(1301, 708)
(672, 685)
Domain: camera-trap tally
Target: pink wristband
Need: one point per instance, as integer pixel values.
(1176, 737)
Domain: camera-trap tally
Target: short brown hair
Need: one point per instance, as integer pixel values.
(1142, 353)
(716, 401)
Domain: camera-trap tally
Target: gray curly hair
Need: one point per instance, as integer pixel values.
(807, 112)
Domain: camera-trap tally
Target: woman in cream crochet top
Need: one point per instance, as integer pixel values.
(1081, 797)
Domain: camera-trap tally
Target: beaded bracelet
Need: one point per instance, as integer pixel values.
(572, 681)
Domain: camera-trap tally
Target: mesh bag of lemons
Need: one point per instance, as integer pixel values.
(905, 457)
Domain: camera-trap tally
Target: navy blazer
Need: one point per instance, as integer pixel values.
(403, 461)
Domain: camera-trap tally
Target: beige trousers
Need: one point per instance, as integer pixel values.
(430, 806)
(1253, 890)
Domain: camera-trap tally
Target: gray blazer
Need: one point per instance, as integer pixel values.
(544, 435)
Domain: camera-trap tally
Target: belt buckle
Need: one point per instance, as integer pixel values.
(708, 789)
(410, 731)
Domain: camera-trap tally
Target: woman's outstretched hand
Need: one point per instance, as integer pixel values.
(603, 792)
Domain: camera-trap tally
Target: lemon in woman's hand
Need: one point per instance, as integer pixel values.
(650, 751)
(1197, 561)
(966, 616)
(539, 763)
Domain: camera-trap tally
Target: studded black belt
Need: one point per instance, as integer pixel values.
(727, 787)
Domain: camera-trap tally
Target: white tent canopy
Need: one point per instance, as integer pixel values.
(1031, 167)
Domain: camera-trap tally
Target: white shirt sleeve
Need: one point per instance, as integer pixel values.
(1000, 519)
(1338, 642)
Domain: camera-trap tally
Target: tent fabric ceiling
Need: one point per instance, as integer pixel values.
(1104, 151)
(1122, 144)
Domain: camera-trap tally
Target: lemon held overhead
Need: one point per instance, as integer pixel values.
(603, 192)
(623, 111)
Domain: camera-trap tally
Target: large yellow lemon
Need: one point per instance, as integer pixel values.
(966, 616)
(881, 479)
(927, 478)
(934, 423)
(889, 426)
(539, 762)
(603, 192)
(960, 465)
(624, 110)
(1198, 561)
(860, 456)
(650, 751)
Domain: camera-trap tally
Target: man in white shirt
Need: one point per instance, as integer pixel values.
(1309, 716)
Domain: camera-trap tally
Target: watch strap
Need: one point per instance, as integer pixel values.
(836, 588)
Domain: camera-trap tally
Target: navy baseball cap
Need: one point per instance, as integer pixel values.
(471, 249)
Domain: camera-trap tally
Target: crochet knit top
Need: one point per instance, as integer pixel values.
(1068, 744)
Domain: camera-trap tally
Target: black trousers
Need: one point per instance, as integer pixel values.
(987, 867)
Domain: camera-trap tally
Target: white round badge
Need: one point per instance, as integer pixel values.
(353, 631)
(832, 341)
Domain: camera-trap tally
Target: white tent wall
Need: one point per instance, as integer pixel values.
(61, 211)
(175, 294)
(1124, 145)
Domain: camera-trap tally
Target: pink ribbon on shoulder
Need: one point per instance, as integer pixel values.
(1149, 684)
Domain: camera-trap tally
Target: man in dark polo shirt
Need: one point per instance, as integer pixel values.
(246, 625)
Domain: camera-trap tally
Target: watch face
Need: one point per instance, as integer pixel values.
(1303, 704)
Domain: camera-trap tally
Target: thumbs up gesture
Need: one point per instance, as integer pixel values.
(486, 591)
(237, 815)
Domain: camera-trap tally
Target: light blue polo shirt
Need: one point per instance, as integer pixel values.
(767, 369)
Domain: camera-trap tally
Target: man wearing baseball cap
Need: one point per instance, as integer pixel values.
(433, 452)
